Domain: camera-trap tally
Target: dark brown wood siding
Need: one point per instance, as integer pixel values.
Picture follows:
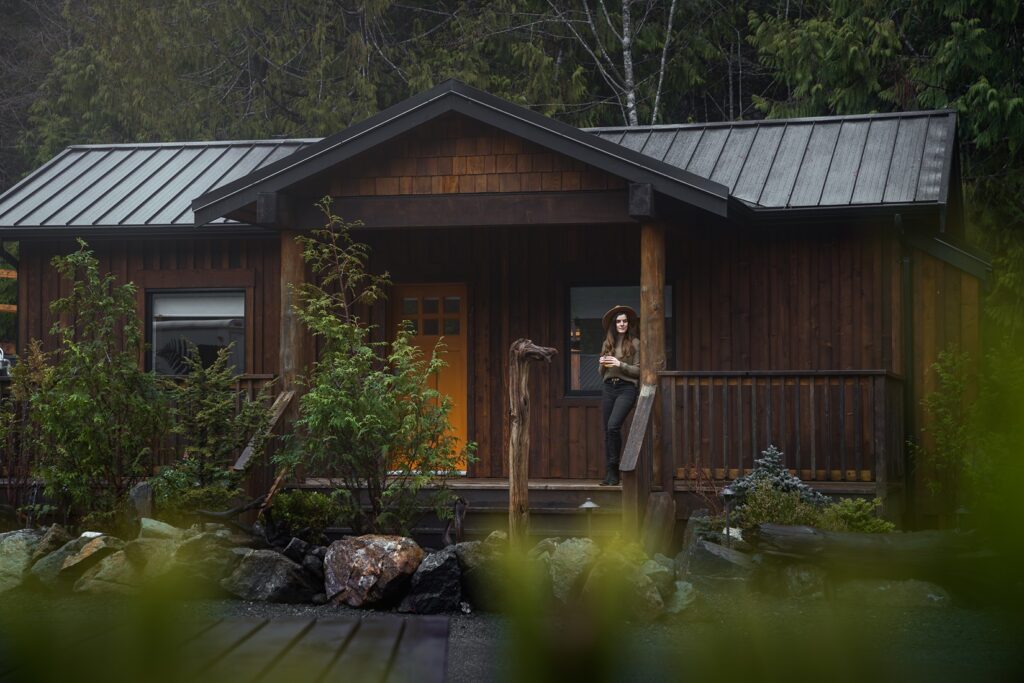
(457, 155)
(744, 300)
(250, 263)
(945, 314)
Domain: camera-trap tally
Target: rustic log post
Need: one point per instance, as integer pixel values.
(520, 353)
(636, 483)
(297, 349)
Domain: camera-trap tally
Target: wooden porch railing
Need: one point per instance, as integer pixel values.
(834, 426)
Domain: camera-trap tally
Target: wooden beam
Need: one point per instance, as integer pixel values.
(641, 201)
(8, 308)
(482, 209)
(8, 274)
(636, 483)
(296, 350)
(273, 209)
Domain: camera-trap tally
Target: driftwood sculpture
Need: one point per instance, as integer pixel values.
(453, 530)
(520, 354)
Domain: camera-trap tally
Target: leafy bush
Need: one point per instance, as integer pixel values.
(766, 504)
(771, 495)
(305, 514)
(95, 415)
(213, 432)
(854, 514)
(370, 417)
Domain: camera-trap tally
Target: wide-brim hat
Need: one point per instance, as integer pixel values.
(612, 314)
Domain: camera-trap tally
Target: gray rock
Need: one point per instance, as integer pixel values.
(46, 571)
(319, 551)
(152, 528)
(666, 562)
(143, 499)
(619, 580)
(296, 550)
(16, 549)
(365, 570)
(684, 596)
(717, 561)
(569, 564)
(315, 566)
(203, 561)
(547, 545)
(94, 550)
(497, 540)
(482, 572)
(662, 577)
(803, 580)
(889, 593)
(269, 576)
(698, 524)
(54, 539)
(436, 586)
(142, 561)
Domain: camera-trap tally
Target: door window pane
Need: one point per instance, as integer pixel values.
(587, 305)
(410, 306)
(208, 320)
(452, 304)
(451, 326)
(430, 326)
(430, 305)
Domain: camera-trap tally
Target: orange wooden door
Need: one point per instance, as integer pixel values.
(436, 311)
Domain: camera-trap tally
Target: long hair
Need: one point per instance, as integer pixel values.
(630, 344)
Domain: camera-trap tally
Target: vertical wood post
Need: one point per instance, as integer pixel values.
(636, 484)
(296, 347)
(520, 353)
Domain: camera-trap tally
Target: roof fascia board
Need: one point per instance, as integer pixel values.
(947, 161)
(191, 231)
(457, 97)
(957, 256)
(741, 209)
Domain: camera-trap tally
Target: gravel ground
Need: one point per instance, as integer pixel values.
(725, 636)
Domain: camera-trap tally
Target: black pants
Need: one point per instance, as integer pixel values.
(617, 399)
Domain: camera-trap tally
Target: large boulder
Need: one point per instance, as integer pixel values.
(143, 499)
(483, 566)
(617, 579)
(889, 593)
(16, 549)
(203, 561)
(54, 539)
(436, 586)
(682, 597)
(141, 562)
(269, 576)
(364, 570)
(91, 554)
(569, 564)
(706, 559)
(154, 528)
(662, 577)
(46, 571)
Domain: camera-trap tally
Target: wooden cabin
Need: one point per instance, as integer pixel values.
(795, 278)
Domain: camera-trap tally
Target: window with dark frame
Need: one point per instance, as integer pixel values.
(587, 304)
(209, 319)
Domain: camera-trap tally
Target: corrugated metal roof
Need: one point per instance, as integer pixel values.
(132, 185)
(873, 159)
(851, 161)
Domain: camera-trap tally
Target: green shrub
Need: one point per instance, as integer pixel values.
(370, 418)
(95, 415)
(766, 504)
(305, 514)
(854, 514)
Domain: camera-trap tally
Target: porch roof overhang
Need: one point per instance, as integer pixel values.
(453, 96)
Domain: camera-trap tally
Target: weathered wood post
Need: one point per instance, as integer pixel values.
(520, 354)
(636, 483)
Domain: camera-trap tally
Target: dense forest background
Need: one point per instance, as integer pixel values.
(88, 71)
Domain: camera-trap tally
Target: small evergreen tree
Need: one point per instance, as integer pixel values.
(96, 415)
(370, 417)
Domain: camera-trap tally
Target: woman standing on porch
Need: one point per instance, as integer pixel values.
(620, 370)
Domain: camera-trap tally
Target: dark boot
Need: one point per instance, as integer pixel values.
(611, 477)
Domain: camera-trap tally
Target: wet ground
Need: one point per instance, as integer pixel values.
(725, 635)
